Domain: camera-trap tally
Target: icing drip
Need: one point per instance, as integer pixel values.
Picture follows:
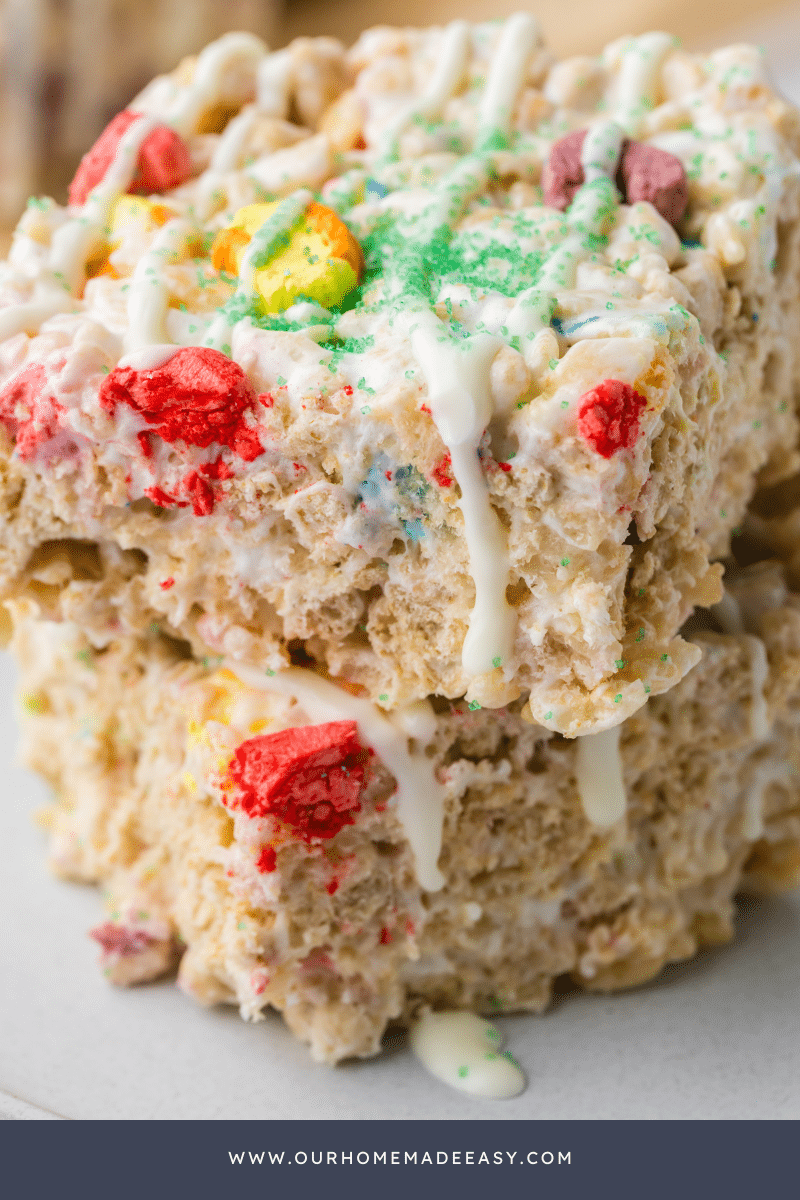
(149, 294)
(598, 773)
(518, 39)
(419, 798)
(464, 1051)
(452, 61)
(457, 371)
(458, 395)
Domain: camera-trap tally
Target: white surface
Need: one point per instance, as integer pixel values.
(714, 1038)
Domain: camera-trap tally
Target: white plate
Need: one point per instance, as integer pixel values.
(715, 1037)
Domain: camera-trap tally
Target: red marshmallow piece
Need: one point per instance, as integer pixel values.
(644, 173)
(198, 396)
(27, 393)
(648, 173)
(310, 777)
(608, 416)
(121, 939)
(163, 163)
(563, 174)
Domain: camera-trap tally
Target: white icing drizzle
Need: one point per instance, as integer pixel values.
(226, 156)
(28, 318)
(264, 244)
(452, 61)
(73, 242)
(148, 298)
(636, 85)
(601, 150)
(464, 1051)
(589, 214)
(149, 357)
(211, 65)
(419, 797)
(518, 39)
(759, 674)
(598, 774)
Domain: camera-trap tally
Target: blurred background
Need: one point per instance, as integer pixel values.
(67, 66)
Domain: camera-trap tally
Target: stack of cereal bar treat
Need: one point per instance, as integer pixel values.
(368, 472)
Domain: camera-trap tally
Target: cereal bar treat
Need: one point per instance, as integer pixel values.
(433, 363)
(278, 837)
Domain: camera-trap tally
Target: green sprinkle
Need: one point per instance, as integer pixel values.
(242, 925)
(640, 635)
(366, 409)
(618, 698)
(383, 696)
(642, 592)
(619, 663)
(463, 1072)
(473, 704)
(647, 689)
(281, 381)
(493, 1033)
(565, 403)
(664, 657)
(105, 369)
(269, 671)
(497, 661)
(553, 364)
(548, 716)
(722, 512)
(565, 562)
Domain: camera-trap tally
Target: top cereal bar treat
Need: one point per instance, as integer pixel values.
(438, 364)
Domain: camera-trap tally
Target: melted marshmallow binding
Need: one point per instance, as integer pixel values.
(371, 424)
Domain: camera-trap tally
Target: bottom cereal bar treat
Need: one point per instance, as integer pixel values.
(284, 843)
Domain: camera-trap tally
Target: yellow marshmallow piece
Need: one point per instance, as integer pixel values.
(126, 213)
(130, 210)
(322, 260)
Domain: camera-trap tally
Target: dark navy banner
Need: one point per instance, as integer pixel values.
(129, 1160)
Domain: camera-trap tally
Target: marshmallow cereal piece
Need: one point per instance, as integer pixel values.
(163, 161)
(320, 260)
